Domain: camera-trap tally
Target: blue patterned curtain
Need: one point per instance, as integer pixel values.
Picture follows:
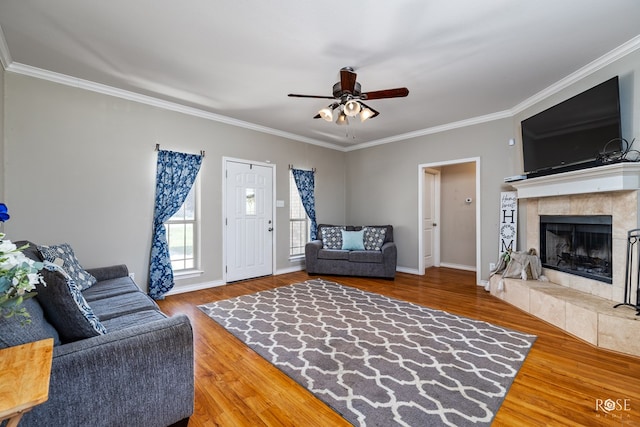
(305, 182)
(175, 175)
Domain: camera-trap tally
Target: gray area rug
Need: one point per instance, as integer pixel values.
(376, 360)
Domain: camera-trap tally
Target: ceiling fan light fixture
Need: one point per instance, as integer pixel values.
(352, 108)
(365, 114)
(342, 119)
(326, 113)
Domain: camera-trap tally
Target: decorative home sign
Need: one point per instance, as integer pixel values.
(508, 221)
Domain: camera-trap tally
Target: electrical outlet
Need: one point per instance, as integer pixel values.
(133, 276)
(492, 266)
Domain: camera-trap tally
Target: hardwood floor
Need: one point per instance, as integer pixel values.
(564, 381)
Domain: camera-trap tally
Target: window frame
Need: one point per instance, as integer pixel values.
(195, 224)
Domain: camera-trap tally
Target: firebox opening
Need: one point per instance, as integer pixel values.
(577, 244)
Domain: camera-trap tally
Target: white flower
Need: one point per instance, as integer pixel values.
(6, 246)
(19, 275)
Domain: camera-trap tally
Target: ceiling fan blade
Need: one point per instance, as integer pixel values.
(387, 93)
(347, 80)
(310, 96)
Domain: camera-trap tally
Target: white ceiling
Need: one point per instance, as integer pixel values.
(236, 61)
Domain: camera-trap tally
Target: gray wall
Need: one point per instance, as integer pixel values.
(80, 168)
(458, 218)
(382, 182)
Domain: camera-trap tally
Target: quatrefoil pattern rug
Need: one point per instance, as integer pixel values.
(376, 360)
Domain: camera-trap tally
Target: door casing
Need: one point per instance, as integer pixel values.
(421, 171)
(225, 207)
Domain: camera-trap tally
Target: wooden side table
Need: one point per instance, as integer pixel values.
(24, 378)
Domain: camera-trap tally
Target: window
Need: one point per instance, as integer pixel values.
(181, 234)
(298, 221)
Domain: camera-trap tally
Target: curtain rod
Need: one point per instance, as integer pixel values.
(312, 169)
(158, 149)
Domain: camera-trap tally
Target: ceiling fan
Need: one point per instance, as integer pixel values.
(348, 97)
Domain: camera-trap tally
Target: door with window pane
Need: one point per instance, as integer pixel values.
(248, 220)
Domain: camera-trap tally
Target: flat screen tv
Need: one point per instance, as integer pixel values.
(581, 132)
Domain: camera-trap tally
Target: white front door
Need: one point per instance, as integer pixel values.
(248, 220)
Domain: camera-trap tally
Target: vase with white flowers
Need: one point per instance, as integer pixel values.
(19, 275)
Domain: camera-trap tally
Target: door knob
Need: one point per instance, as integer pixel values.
(270, 229)
(434, 224)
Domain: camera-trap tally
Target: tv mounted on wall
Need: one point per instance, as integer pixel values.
(581, 132)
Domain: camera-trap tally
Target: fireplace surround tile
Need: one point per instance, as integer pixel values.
(582, 322)
(619, 333)
(513, 292)
(558, 205)
(595, 204)
(625, 203)
(548, 308)
(533, 228)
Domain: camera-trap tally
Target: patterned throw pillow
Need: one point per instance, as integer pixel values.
(332, 237)
(65, 306)
(374, 238)
(63, 256)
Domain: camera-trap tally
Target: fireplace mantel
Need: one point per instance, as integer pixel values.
(613, 177)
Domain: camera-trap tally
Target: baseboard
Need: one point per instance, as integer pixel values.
(195, 287)
(289, 270)
(407, 270)
(458, 266)
(206, 285)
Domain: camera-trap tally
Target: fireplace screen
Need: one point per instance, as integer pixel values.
(579, 245)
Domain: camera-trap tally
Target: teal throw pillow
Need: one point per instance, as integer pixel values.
(353, 240)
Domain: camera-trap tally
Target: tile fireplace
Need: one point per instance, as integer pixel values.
(578, 222)
(611, 190)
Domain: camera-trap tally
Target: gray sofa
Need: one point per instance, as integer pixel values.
(326, 256)
(139, 373)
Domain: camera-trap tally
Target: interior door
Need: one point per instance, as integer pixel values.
(248, 220)
(428, 220)
(430, 230)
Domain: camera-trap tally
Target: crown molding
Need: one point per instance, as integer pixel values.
(598, 64)
(5, 56)
(64, 79)
(436, 129)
